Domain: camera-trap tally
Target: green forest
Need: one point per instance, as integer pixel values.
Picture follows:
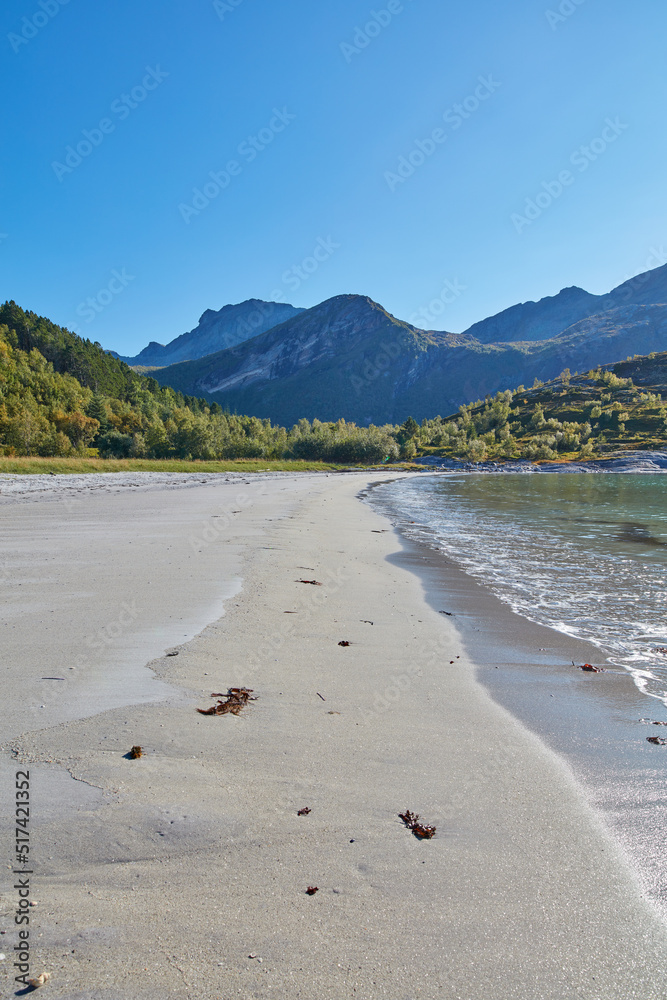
(61, 395)
(576, 416)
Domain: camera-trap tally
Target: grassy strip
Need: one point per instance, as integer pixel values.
(67, 466)
(34, 465)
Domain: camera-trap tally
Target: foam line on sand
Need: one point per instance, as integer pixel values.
(184, 868)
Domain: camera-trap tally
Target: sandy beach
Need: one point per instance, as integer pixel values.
(183, 874)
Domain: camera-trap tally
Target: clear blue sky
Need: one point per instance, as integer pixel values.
(350, 106)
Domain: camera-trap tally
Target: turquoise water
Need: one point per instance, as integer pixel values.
(584, 554)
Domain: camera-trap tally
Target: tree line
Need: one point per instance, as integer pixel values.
(61, 395)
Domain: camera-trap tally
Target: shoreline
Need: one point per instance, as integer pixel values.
(200, 839)
(621, 461)
(590, 721)
(596, 723)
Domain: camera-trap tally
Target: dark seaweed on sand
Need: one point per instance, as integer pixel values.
(423, 831)
(234, 701)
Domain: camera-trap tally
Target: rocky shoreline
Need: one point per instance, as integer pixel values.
(646, 462)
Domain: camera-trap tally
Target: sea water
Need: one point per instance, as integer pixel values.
(583, 554)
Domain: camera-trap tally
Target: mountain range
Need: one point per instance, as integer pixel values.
(216, 331)
(348, 357)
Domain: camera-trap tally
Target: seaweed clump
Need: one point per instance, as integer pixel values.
(231, 703)
(423, 831)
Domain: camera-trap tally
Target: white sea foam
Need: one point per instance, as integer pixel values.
(585, 555)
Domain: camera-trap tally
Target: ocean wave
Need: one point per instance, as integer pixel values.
(586, 556)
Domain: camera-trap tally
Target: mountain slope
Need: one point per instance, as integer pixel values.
(553, 314)
(349, 358)
(342, 358)
(537, 320)
(614, 407)
(649, 288)
(82, 402)
(70, 354)
(217, 331)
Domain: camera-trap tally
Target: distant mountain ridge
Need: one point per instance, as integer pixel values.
(216, 331)
(549, 316)
(537, 320)
(348, 357)
(61, 395)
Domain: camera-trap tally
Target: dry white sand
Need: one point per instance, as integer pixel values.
(160, 877)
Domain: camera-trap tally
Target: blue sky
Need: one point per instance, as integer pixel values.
(340, 161)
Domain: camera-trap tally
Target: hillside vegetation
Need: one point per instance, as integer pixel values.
(61, 395)
(574, 416)
(349, 357)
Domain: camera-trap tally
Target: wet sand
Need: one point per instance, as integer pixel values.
(599, 723)
(161, 876)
